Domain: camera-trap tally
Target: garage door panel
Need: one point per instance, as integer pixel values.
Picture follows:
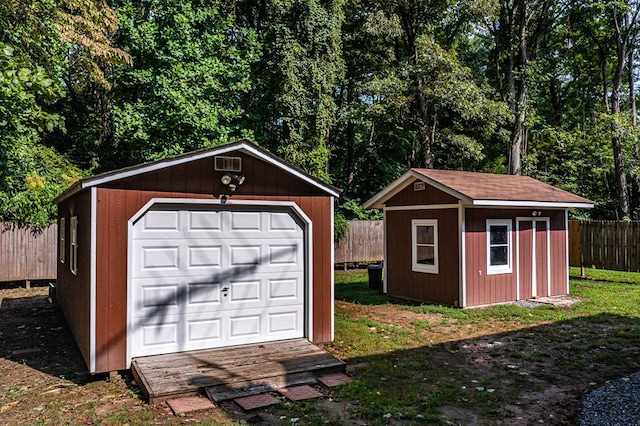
(204, 295)
(285, 322)
(159, 337)
(204, 256)
(155, 297)
(286, 290)
(159, 223)
(204, 332)
(213, 278)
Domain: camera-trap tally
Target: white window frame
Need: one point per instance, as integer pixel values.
(419, 267)
(73, 246)
(500, 269)
(61, 239)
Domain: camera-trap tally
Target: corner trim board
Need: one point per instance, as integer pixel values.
(92, 279)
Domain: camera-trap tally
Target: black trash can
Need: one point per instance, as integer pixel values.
(375, 277)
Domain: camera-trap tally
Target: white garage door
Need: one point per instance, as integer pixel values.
(205, 278)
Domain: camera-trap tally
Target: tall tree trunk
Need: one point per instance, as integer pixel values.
(616, 137)
(518, 132)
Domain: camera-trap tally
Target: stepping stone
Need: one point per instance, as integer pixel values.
(188, 404)
(334, 379)
(256, 401)
(299, 393)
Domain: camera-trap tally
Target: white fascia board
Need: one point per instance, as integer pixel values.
(243, 147)
(378, 200)
(423, 207)
(531, 204)
(251, 150)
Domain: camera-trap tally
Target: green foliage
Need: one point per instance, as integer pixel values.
(190, 65)
(31, 176)
(340, 227)
(292, 109)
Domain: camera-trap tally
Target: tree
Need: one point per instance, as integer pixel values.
(190, 67)
(292, 108)
(517, 31)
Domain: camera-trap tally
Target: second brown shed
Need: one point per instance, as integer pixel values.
(469, 239)
(214, 248)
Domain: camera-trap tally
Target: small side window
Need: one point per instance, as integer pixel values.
(499, 246)
(73, 256)
(424, 245)
(61, 239)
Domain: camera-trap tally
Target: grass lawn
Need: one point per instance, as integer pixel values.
(410, 364)
(497, 365)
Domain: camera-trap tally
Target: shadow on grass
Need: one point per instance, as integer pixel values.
(525, 376)
(34, 332)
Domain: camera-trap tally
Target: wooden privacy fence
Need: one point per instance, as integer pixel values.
(363, 242)
(613, 245)
(27, 253)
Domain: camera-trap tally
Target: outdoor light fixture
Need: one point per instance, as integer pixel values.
(232, 181)
(226, 179)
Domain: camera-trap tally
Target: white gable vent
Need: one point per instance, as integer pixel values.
(419, 186)
(228, 164)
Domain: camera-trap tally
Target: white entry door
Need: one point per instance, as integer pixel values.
(214, 277)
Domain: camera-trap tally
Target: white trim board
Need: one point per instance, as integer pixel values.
(422, 207)
(288, 205)
(92, 281)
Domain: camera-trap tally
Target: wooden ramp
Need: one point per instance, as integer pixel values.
(228, 373)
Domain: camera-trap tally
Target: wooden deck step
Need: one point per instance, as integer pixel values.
(239, 389)
(163, 377)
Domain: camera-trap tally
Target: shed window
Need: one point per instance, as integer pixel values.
(425, 245)
(498, 246)
(73, 256)
(61, 239)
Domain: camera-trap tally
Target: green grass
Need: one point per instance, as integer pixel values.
(408, 377)
(604, 275)
(353, 286)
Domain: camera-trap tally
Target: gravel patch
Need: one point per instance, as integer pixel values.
(615, 404)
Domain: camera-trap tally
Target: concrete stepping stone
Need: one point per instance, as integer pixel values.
(299, 393)
(252, 402)
(334, 379)
(188, 404)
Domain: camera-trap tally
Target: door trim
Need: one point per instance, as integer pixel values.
(216, 204)
(533, 221)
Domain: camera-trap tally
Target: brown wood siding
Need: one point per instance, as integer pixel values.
(486, 289)
(431, 195)
(542, 289)
(199, 177)
(401, 280)
(74, 291)
(116, 206)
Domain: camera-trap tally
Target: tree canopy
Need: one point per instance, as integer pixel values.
(352, 91)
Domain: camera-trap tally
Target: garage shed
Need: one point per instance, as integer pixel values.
(214, 248)
(469, 239)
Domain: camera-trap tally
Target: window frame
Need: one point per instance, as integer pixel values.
(73, 245)
(419, 267)
(62, 239)
(500, 269)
